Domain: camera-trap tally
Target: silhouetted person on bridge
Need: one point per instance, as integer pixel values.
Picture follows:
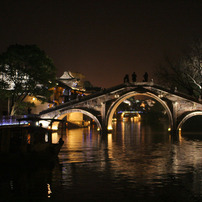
(145, 77)
(134, 77)
(126, 79)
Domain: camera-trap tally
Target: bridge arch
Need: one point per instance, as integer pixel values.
(114, 106)
(188, 116)
(62, 114)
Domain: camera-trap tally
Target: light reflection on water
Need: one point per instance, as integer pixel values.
(134, 162)
(140, 158)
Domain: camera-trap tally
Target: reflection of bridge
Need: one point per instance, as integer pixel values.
(102, 105)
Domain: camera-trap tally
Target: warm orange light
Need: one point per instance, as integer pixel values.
(28, 138)
(137, 118)
(114, 119)
(180, 134)
(49, 190)
(142, 105)
(109, 128)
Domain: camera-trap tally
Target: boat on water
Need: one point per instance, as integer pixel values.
(29, 144)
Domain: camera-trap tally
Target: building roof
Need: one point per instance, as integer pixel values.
(70, 81)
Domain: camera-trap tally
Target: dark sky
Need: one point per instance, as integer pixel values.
(103, 39)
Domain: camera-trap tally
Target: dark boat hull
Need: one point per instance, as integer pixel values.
(50, 155)
(27, 145)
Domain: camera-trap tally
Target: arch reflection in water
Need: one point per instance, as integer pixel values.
(143, 157)
(78, 144)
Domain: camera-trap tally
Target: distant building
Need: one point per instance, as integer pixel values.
(68, 87)
(71, 86)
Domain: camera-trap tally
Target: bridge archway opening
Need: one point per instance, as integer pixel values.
(77, 118)
(191, 123)
(147, 99)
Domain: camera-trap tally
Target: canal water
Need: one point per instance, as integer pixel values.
(135, 162)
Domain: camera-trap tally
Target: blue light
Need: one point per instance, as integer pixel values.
(9, 121)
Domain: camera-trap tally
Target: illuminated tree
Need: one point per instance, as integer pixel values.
(25, 71)
(185, 73)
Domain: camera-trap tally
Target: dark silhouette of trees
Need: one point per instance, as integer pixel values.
(25, 70)
(185, 72)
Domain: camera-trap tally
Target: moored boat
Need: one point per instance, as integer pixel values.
(29, 144)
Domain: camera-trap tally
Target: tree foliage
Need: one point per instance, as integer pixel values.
(185, 72)
(25, 70)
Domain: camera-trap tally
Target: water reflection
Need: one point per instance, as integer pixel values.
(25, 183)
(79, 145)
(136, 154)
(134, 162)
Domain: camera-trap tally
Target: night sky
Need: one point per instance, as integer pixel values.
(102, 39)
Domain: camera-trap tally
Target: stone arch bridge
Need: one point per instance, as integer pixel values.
(102, 105)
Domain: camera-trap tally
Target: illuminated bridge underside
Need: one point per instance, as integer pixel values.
(101, 106)
(65, 112)
(131, 94)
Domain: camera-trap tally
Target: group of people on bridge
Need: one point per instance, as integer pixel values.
(134, 77)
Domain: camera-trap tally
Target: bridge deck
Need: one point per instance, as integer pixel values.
(117, 89)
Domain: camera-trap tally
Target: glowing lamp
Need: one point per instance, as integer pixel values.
(109, 128)
(55, 128)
